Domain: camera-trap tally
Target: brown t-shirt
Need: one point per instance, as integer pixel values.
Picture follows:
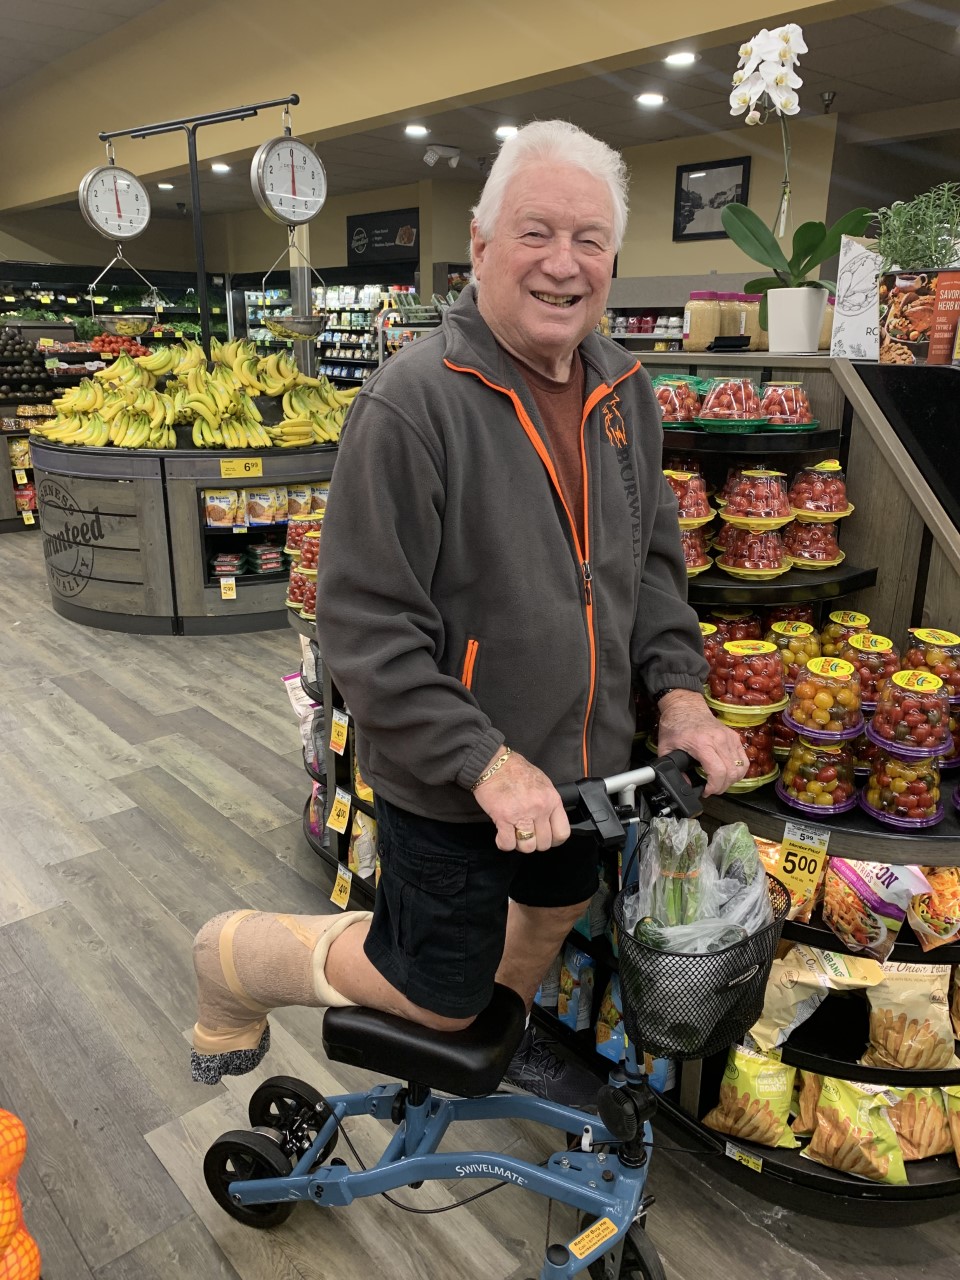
(560, 405)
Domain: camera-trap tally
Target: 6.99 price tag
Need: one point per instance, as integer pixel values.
(240, 468)
(339, 723)
(340, 811)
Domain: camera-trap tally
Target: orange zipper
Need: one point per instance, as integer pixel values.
(469, 662)
(583, 553)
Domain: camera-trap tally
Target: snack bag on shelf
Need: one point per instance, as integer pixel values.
(362, 789)
(854, 1133)
(935, 916)
(955, 1001)
(910, 1019)
(755, 1096)
(611, 1039)
(806, 1099)
(549, 991)
(309, 713)
(919, 1119)
(362, 851)
(220, 507)
(317, 809)
(803, 883)
(865, 903)
(298, 500)
(593, 922)
(576, 989)
(280, 513)
(799, 983)
(951, 1099)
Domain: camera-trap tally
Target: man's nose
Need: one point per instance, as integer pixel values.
(560, 262)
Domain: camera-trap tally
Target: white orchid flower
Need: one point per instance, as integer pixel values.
(762, 47)
(790, 38)
(775, 73)
(739, 101)
(738, 78)
(784, 100)
(753, 117)
(745, 95)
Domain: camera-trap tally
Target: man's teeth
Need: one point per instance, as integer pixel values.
(556, 299)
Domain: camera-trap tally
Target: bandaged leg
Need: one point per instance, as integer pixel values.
(247, 963)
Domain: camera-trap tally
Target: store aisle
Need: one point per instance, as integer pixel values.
(145, 784)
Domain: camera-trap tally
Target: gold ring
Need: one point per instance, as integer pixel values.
(525, 835)
(739, 763)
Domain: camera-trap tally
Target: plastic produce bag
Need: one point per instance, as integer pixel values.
(677, 884)
(744, 899)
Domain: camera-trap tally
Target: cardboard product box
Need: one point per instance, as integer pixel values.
(919, 316)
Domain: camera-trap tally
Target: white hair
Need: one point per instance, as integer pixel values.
(561, 142)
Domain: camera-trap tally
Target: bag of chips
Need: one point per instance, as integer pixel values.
(576, 989)
(611, 1042)
(955, 1001)
(935, 916)
(909, 1019)
(805, 1103)
(755, 1097)
(919, 1119)
(951, 1100)
(362, 850)
(799, 983)
(854, 1133)
(865, 903)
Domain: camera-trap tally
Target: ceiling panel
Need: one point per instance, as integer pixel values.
(913, 13)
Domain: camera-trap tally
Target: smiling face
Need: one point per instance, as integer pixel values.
(544, 274)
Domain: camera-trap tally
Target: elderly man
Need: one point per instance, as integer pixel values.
(500, 571)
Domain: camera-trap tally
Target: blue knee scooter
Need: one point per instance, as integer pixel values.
(258, 1176)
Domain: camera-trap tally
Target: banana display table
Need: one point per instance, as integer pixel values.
(127, 545)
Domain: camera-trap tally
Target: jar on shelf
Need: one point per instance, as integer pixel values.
(678, 400)
(751, 554)
(820, 492)
(840, 626)
(825, 704)
(797, 643)
(826, 328)
(310, 550)
(875, 660)
(731, 315)
(694, 545)
(746, 681)
(931, 649)
(757, 499)
(701, 320)
(750, 308)
(903, 793)
(912, 717)
(757, 749)
(731, 400)
(786, 404)
(812, 546)
(818, 778)
(735, 624)
(789, 613)
(693, 509)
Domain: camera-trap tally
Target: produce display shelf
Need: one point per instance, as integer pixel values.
(269, 306)
(347, 328)
(713, 587)
(251, 579)
(335, 355)
(16, 431)
(763, 442)
(303, 626)
(361, 889)
(312, 772)
(16, 523)
(906, 949)
(311, 690)
(111, 451)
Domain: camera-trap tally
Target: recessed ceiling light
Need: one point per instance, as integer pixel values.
(505, 130)
(416, 130)
(165, 186)
(651, 99)
(682, 58)
(219, 167)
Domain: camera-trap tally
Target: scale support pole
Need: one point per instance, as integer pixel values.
(191, 132)
(301, 295)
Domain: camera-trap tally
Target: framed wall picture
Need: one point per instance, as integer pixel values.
(702, 191)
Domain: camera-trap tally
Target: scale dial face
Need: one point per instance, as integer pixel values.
(114, 202)
(289, 181)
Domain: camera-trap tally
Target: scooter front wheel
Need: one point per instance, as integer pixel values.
(639, 1260)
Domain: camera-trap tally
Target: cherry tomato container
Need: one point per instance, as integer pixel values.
(683, 462)
(825, 704)
(310, 549)
(757, 499)
(903, 793)
(753, 554)
(930, 649)
(840, 626)
(820, 492)
(818, 778)
(952, 761)
(678, 400)
(812, 546)
(785, 405)
(732, 405)
(721, 537)
(912, 718)
(297, 587)
(797, 642)
(745, 683)
(875, 660)
(711, 643)
(694, 544)
(864, 754)
(789, 613)
(783, 737)
(757, 745)
(735, 624)
(693, 509)
(297, 527)
(309, 607)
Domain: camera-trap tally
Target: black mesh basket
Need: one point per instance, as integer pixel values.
(683, 1006)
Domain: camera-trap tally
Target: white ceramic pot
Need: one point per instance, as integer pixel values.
(794, 318)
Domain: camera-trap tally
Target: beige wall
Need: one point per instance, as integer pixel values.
(61, 235)
(649, 250)
(452, 202)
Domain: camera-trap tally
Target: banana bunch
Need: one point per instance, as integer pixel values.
(163, 360)
(126, 372)
(73, 428)
(292, 433)
(278, 373)
(86, 397)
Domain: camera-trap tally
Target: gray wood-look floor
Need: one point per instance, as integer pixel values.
(146, 784)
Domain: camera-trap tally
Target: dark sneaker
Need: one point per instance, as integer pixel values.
(538, 1068)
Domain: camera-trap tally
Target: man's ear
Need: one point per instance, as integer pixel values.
(478, 247)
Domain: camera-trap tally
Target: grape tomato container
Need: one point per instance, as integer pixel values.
(875, 660)
(678, 400)
(310, 549)
(309, 607)
(903, 793)
(931, 649)
(757, 499)
(820, 492)
(783, 736)
(785, 404)
(694, 545)
(735, 624)
(297, 586)
(840, 626)
(690, 489)
(825, 704)
(952, 761)
(297, 527)
(912, 719)
(818, 778)
(812, 546)
(730, 404)
(745, 683)
(753, 554)
(789, 613)
(757, 747)
(711, 643)
(797, 643)
(864, 754)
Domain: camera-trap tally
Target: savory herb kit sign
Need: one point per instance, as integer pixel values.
(391, 236)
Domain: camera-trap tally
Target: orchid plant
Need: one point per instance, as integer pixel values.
(765, 84)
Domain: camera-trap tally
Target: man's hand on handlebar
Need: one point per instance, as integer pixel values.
(687, 722)
(520, 798)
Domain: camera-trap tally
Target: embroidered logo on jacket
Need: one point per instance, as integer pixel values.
(613, 423)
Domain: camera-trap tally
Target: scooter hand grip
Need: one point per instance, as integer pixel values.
(684, 762)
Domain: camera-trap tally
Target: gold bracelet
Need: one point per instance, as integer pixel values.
(488, 773)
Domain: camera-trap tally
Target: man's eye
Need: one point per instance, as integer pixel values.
(532, 235)
(593, 245)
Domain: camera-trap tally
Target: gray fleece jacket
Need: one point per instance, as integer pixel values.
(456, 608)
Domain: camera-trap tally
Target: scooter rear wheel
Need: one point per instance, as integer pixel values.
(240, 1157)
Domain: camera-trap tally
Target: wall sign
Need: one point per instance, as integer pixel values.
(393, 236)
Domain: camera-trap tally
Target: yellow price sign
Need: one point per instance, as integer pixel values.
(178, 333)
(215, 311)
(802, 853)
(339, 723)
(744, 1158)
(28, 517)
(44, 342)
(73, 300)
(158, 333)
(20, 475)
(45, 299)
(341, 888)
(99, 301)
(8, 297)
(239, 528)
(117, 306)
(340, 811)
(228, 588)
(240, 468)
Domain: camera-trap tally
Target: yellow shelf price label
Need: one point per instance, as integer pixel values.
(339, 723)
(341, 888)
(803, 850)
(340, 811)
(73, 300)
(744, 1157)
(239, 528)
(8, 297)
(158, 333)
(118, 306)
(28, 517)
(215, 311)
(44, 342)
(228, 588)
(20, 475)
(99, 301)
(240, 468)
(178, 333)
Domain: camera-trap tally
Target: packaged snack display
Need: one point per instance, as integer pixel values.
(283, 504)
(799, 983)
(853, 1132)
(749, 554)
(783, 737)
(840, 626)
(362, 789)
(730, 402)
(678, 399)
(874, 658)
(24, 497)
(910, 1020)
(19, 452)
(318, 496)
(935, 916)
(297, 526)
(919, 1119)
(694, 544)
(930, 649)
(757, 499)
(220, 508)
(785, 404)
(818, 778)
(261, 506)
(228, 564)
(310, 549)
(735, 624)
(362, 850)
(801, 876)
(820, 492)
(912, 716)
(298, 500)
(316, 809)
(825, 704)
(576, 989)
(757, 743)
(951, 1099)
(806, 1098)
(746, 683)
(865, 903)
(797, 643)
(789, 613)
(610, 1037)
(264, 558)
(693, 509)
(755, 1097)
(903, 793)
(812, 546)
